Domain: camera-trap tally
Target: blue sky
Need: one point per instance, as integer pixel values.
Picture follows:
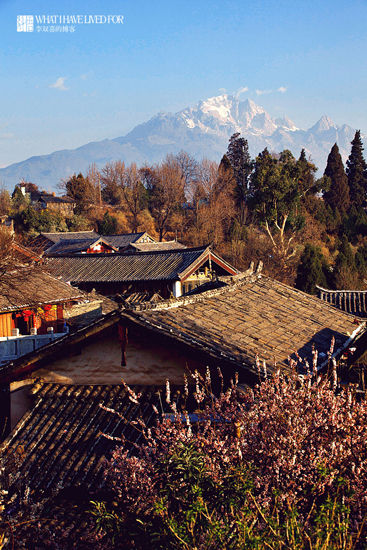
(63, 89)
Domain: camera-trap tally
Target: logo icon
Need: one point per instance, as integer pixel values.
(24, 23)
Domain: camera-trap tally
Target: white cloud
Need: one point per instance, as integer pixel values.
(59, 84)
(263, 92)
(222, 90)
(240, 91)
(7, 136)
(281, 89)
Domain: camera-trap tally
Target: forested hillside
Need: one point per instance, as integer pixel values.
(308, 230)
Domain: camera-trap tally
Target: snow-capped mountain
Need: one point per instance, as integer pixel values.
(202, 131)
(222, 113)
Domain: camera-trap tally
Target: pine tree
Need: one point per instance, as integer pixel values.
(345, 273)
(19, 201)
(310, 271)
(361, 259)
(226, 181)
(108, 225)
(357, 172)
(338, 194)
(239, 157)
(307, 170)
(345, 256)
(355, 224)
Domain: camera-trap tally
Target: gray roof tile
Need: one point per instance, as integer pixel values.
(123, 240)
(141, 266)
(257, 315)
(26, 287)
(70, 235)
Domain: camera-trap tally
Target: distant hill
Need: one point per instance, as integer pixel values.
(202, 131)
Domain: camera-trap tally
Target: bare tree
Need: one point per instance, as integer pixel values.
(112, 180)
(135, 196)
(201, 191)
(167, 193)
(213, 203)
(94, 178)
(5, 202)
(8, 256)
(122, 186)
(190, 169)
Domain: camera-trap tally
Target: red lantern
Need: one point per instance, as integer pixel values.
(26, 314)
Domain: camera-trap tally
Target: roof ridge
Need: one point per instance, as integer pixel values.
(135, 254)
(67, 232)
(125, 234)
(235, 281)
(91, 238)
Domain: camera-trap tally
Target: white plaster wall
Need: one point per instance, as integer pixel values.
(100, 363)
(20, 402)
(177, 289)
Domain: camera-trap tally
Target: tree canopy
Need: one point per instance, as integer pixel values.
(357, 172)
(242, 165)
(275, 195)
(337, 197)
(311, 270)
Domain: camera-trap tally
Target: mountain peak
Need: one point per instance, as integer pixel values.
(251, 106)
(323, 125)
(226, 105)
(203, 130)
(226, 114)
(219, 106)
(286, 123)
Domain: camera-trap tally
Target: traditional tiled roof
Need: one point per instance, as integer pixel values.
(30, 287)
(61, 437)
(139, 297)
(254, 316)
(124, 240)
(70, 235)
(44, 241)
(70, 246)
(141, 266)
(24, 254)
(163, 245)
